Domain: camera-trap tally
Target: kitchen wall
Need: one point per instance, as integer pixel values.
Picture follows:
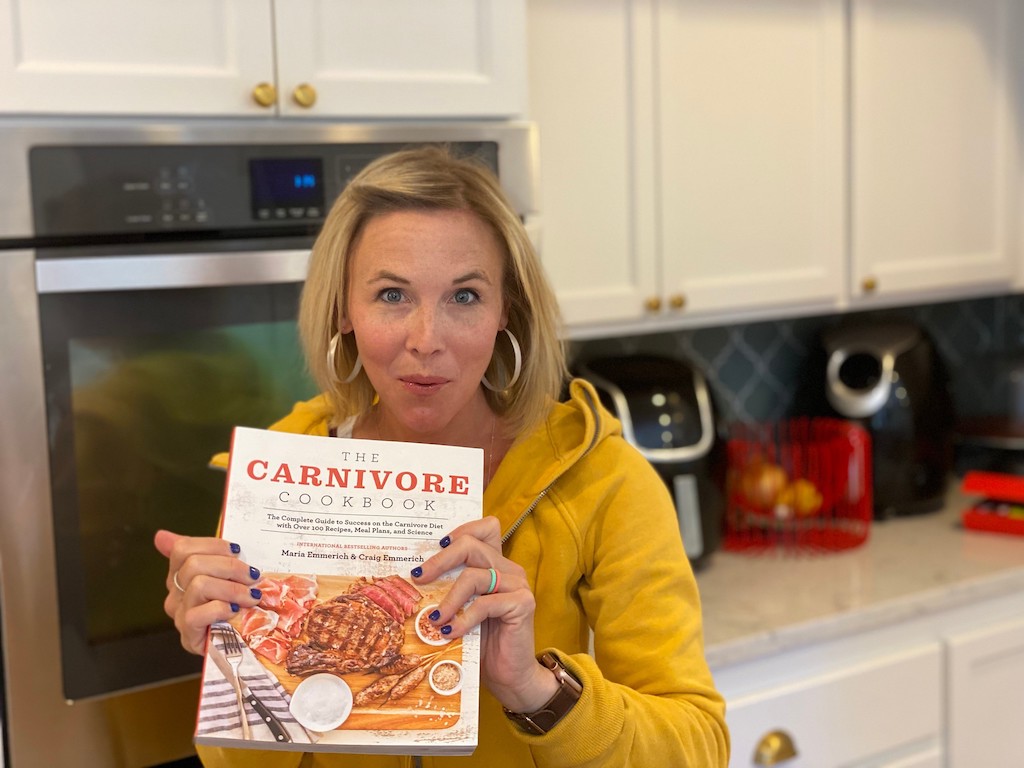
(754, 368)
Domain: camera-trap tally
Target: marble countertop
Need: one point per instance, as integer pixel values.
(758, 604)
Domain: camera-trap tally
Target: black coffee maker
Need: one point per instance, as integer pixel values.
(887, 376)
(667, 412)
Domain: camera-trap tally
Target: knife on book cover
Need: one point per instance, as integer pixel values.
(276, 726)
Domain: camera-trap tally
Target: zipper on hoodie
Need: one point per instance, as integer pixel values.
(593, 441)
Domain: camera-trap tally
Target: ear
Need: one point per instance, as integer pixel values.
(344, 326)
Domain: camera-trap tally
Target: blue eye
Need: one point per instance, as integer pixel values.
(464, 296)
(391, 295)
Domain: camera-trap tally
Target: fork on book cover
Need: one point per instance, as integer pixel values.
(233, 653)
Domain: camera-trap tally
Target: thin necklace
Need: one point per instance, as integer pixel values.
(488, 454)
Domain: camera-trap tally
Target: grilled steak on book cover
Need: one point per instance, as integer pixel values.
(350, 633)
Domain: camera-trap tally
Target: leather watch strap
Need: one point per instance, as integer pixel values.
(545, 718)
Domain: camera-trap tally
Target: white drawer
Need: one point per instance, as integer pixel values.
(853, 714)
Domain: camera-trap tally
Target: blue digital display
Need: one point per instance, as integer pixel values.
(286, 188)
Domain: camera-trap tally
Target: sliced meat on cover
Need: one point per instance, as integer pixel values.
(384, 600)
(401, 591)
(257, 621)
(300, 589)
(273, 647)
(290, 616)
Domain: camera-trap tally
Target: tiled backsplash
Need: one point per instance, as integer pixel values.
(754, 368)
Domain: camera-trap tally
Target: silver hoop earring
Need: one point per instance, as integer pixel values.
(332, 372)
(516, 370)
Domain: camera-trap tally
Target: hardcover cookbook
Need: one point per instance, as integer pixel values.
(339, 655)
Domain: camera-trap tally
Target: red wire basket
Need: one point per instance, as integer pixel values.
(801, 485)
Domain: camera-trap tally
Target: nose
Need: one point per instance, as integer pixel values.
(425, 332)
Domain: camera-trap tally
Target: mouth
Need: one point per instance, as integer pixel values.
(423, 383)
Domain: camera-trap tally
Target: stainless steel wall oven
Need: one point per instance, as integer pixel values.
(149, 281)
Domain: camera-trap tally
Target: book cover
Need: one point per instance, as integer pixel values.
(338, 655)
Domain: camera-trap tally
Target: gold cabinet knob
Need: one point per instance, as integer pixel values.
(304, 95)
(653, 304)
(774, 747)
(869, 284)
(677, 301)
(264, 94)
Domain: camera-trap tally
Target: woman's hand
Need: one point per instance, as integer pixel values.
(509, 667)
(206, 582)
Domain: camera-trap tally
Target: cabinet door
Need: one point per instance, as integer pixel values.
(751, 108)
(933, 146)
(114, 57)
(401, 58)
(880, 712)
(590, 95)
(986, 697)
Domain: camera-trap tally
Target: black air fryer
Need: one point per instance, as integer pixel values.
(887, 376)
(666, 411)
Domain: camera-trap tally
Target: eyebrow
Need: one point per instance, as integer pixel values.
(391, 277)
(388, 277)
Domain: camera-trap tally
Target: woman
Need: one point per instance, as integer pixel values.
(426, 318)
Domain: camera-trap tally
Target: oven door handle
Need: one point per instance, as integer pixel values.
(185, 270)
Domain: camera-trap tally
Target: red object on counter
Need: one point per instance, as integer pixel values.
(800, 485)
(994, 485)
(1002, 510)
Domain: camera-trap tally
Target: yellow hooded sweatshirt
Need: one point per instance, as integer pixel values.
(595, 528)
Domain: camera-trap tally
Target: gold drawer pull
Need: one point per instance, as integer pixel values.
(775, 747)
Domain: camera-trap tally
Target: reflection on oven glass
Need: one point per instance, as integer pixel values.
(148, 413)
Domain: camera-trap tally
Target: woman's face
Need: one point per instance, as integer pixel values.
(425, 300)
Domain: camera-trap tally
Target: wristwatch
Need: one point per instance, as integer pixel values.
(545, 718)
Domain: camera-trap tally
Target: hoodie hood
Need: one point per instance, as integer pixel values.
(571, 430)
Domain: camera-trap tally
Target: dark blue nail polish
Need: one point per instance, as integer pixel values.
(446, 541)
(434, 616)
(235, 548)
(446, 629)
(417, 572)
(256, 593)
(254, 573)
(234, 607)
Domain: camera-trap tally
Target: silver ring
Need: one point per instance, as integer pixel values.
(174, 578)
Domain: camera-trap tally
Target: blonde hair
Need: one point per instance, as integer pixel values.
(432, 178)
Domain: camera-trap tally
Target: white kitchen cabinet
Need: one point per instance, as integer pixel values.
(753, 159)
(940, 687)
(986, 696)
(121, 57)
(402, 58)
(300, 58)
(704, 174)
(751, 108)
(590, 94)
(883, 710)
(933, 148)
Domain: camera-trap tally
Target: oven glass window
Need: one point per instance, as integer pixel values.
(148, 413)
(136, 411)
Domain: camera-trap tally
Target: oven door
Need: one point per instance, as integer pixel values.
(149, 362)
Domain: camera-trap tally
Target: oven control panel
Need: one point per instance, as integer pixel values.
(113, 190)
